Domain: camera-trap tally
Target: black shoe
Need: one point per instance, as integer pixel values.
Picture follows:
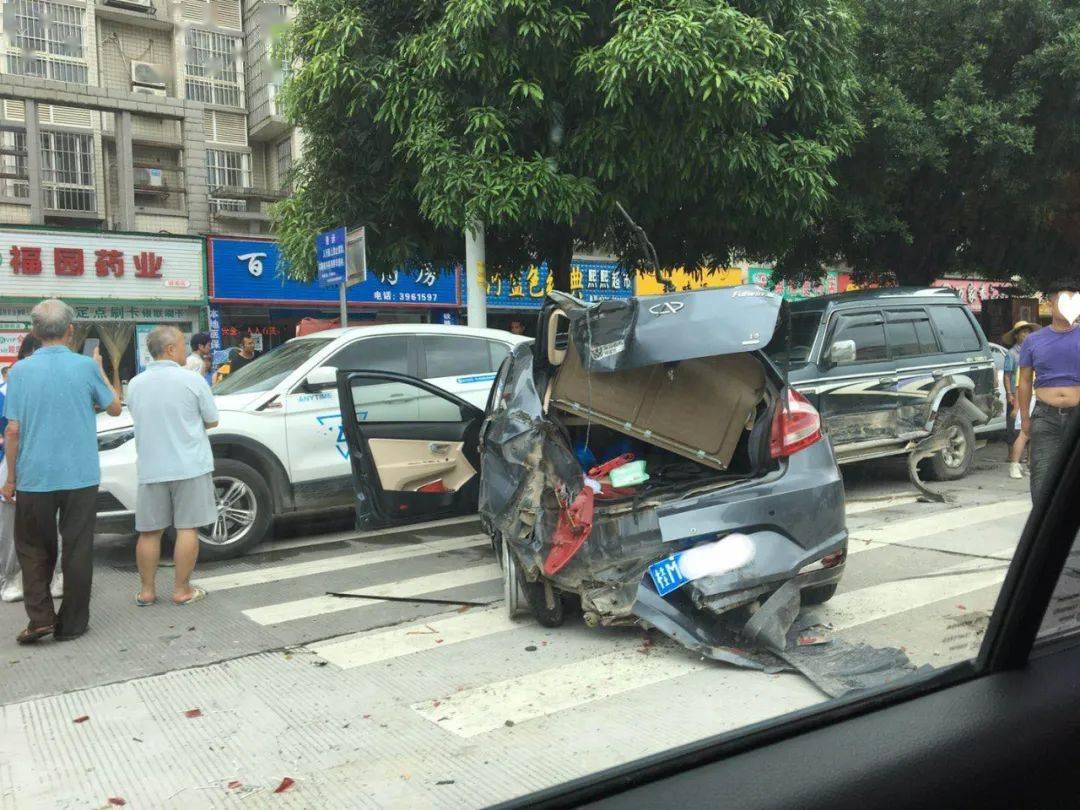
(58, 636)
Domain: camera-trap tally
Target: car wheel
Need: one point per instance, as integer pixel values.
(819, 594)
(544, 601)
(954, 461)
(516, 604)
(244, 511)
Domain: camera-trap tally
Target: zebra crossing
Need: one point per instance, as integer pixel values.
(960, 553)
(460, 706)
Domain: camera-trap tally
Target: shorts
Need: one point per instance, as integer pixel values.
(186, 504)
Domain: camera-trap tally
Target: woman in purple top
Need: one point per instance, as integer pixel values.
(1052, 357)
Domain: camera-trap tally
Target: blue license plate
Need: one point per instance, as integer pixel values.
(666, 574)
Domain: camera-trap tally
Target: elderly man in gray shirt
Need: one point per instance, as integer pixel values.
(172, 410)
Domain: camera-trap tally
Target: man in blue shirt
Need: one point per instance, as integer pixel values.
(52, 459)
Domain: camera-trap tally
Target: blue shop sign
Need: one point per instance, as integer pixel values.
(248, 271)
(590, 280)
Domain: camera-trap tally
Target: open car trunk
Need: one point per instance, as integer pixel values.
(687, 391)
(686, 418)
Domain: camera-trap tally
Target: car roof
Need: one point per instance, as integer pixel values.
(414, 329)
(892, 295)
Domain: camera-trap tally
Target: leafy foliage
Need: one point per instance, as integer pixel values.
(716, 124)
(969, 159)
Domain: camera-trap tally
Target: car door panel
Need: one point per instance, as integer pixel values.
(858, 401)
(407, 465)
(317, 445)
(411, 469)
(914, 348)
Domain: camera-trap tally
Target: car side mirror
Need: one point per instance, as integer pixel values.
(842, 351)
(321, 378)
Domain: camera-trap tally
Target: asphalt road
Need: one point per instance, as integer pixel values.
(367, 703)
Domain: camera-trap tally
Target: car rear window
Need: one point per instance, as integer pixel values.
(956, 330)
(451, 356)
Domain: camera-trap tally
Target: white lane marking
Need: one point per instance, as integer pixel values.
(874, 602)
(861, 507)
(337, 537)
(487, 707)
(415, 637)
(417, 586)
(261, 576)
(952, 520)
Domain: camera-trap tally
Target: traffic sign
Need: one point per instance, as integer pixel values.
(330, 257)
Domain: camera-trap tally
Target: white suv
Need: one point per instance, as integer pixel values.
(280, 447)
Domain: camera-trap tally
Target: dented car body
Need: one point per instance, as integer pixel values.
(678, 385)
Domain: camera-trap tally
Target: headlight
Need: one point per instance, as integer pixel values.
(111, 439)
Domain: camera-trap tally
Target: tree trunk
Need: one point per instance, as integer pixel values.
(559, 262)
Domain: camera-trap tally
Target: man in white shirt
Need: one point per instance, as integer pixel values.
(199, 358)
(172, 410)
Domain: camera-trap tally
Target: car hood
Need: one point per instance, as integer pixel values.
(616, 335)
(228, 402)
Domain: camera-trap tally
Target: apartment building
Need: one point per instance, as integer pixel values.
(141, 115)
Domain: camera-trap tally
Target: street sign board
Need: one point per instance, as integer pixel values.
(356, 256)
(330, 257)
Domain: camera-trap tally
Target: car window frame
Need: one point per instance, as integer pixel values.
(297, 385)
(834, 325)
(421, 359)
(974, 324)
(925, 316)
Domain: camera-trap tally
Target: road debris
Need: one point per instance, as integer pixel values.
(286, 783)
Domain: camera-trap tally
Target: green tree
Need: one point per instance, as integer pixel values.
(716, 124)
(969, 161)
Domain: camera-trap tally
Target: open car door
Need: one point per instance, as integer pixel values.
(413, 448)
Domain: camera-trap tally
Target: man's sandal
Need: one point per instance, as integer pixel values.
(32, 635)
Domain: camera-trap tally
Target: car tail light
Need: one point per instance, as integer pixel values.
(796, 425)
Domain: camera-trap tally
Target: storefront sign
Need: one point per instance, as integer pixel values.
(590, 280)
(974, 291)
(10, 341)
(108, 312)
(214, 321)
(680, 280)
(248, 271)
(96, 265)
(827, 285)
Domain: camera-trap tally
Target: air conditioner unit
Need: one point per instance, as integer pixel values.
(134, 5)
(149, 178)
(147, 74)
(148, 91)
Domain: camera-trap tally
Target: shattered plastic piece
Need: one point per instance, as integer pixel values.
(286, 783)
(575, 523)
(234, 784)
(193, 713)
(81, 719)
(116, 801)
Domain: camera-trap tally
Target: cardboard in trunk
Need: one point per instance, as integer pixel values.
(696, 408)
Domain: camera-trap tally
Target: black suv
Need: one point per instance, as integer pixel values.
(893, 371)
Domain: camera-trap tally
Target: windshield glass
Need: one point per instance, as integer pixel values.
(803, 329)
(270, 369)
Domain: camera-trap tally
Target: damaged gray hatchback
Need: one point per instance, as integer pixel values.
(645, 459)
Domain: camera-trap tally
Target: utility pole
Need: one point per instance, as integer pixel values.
(475, 276)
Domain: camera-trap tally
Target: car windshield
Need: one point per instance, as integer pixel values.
(803, 330)
(270, 369)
